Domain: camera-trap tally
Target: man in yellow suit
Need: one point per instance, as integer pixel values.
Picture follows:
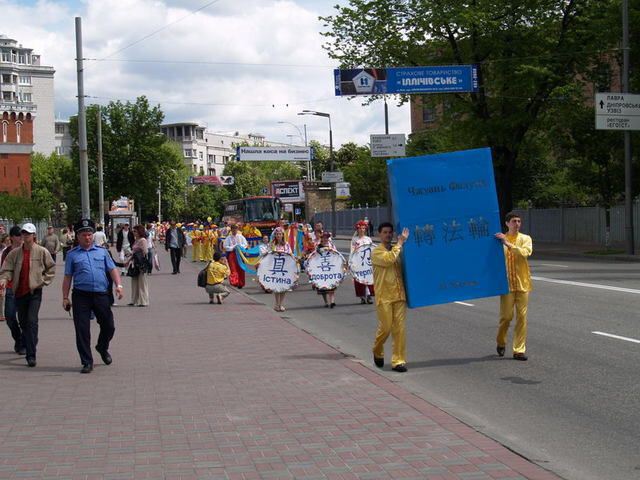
(195, 243)
(207, 242)
(517, 249)
(391, 301)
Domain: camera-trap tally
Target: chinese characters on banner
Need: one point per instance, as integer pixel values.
(278, 272)
(448, 201)
(326, 269)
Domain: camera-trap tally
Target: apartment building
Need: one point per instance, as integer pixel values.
(24, 81)
(206, 153)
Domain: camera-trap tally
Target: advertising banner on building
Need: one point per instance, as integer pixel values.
(448, 202)
(282, 154)
(212, 180)
(288, 191)
(378, 81)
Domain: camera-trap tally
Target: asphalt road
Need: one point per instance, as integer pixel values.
(573, 408)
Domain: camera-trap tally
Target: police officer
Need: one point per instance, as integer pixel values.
(89, 266)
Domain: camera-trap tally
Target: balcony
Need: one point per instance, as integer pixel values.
(26, 107)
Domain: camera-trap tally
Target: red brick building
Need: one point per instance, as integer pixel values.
(16, 145)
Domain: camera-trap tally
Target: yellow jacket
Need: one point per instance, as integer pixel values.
(216, 273)
(387, 275)
(518, 271)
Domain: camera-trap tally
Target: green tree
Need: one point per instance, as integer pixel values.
(525, 51)
(19, 207)
(248, 179)
(52, 178)
(135, 155)
(205, 201)
(367, 176)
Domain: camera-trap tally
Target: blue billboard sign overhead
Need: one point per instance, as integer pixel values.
(449, 204)
(406, 80)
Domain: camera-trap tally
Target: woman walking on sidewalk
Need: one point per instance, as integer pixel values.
(278, 244)
(138, 259)
(360, 238)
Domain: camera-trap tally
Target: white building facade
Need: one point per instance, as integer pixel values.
(206, 153)
(63, 139)
(24, 81)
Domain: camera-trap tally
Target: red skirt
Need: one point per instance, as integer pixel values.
(361, 289)
(236, 277)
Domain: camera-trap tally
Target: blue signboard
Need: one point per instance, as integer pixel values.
(406, 80)
(448, 202)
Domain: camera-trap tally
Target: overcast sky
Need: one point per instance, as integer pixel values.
(266, 62)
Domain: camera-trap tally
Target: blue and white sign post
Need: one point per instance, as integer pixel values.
(448, 202)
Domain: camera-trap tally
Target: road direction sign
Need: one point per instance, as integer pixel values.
(617, 111)
(332, 177)
(392, 145)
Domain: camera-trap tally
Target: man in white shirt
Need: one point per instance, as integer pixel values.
(99, 237)
(235, 238)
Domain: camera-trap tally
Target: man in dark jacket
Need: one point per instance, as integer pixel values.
(124, 244)
(174, 242)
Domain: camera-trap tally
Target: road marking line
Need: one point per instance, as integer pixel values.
(553, 265)
(633, 340)
(588, 285)
(465, 304)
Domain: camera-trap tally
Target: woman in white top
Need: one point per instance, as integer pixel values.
(139, 283)
(278, 244)
(365, 292)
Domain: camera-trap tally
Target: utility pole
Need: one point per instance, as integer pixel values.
(628, 172)
(159, 201)
(100, 168)
(82, 126)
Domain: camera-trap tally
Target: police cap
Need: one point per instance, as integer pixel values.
(84, 225)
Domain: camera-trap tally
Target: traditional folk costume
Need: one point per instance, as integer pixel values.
(364, 292)
(391, 303)
(207, 244)
(328, 294)
(237, 274)
(519, 277)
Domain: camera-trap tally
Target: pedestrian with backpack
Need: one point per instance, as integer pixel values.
(216, 271)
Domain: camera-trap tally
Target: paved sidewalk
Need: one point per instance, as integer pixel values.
(199, 391)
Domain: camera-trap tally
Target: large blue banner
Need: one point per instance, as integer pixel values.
(406, 80)
(448, 201)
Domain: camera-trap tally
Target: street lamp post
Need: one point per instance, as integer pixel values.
(331, 165)
(304, 139)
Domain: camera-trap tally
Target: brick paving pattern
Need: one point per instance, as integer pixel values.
(199, 391)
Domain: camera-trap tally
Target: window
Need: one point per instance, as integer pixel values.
(428, 115)
(22, 58)
(24, 80)
(18, 131)
(199, 134)
(6, 56)
(6, 78)
(25, 97)
(6, 96)
(225, 159)
(178, 131)
(60, 128)
(59, 150)
(200, 155)
(187, 153)
(187, 131)
(211, 158)
(5, 128)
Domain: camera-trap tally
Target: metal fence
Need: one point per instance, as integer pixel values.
(346, 219)
(579, 225)
(586, 225)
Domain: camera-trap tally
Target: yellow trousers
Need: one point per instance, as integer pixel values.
(519, 301)
(195, 251)
(391, 320)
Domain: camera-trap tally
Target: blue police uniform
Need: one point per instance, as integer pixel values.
(90, 269)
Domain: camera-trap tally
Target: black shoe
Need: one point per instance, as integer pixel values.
(369, 300)
(31, 362)
(211, 301)
(20, 350)
(520, 356)
(400, 368)
(379, 361)
(500, 351)
(104, 354)
(362, 301)
(333, 305)
(326, 305)
(86, 369)
(173, 273)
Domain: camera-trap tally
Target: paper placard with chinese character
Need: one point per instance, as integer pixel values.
(448, 201)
